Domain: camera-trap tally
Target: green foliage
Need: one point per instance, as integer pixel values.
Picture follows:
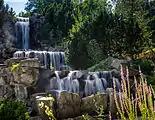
(85, 14)
(145, 65)
(46, 108)
(151, 80)
(102, 65)
(93, 29)
(24, 14)
(85, 117)
(13, 110)
(137, 29)
(58, 16)
(6, 13)
(14, 67)
(51, 67)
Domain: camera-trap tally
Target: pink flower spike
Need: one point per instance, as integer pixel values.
(154, 107)
(147, 90)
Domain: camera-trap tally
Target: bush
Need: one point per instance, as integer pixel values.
(13, 110)
(151, 79)
(146, 66)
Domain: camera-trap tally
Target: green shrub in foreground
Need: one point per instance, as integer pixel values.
(13, 110)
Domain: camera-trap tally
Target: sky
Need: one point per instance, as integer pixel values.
(17, 5)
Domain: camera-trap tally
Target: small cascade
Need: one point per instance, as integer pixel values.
(75, 86)
(56, 59)
(98, 83)
(89, 87)
(22, 32)
(92, 83)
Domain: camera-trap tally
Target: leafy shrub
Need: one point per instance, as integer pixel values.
(151, 80)
(146, 66)
(14, 67)
(13, 110)
(46, 108)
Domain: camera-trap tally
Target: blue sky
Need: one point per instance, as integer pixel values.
(17, 5)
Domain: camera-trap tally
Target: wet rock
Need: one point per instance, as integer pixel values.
(111, 103)
(11, 61)
(20, 92)
(45, 102)
(6, 91)
(33, 62)
(2, 81)
(6, 75)
(7, 41)
(63, 73)
(90, 103)
(26, 75)
(68, 105)
(34, 103)
(43, 83)
(36, 22)
(35, 118)
(65, 67)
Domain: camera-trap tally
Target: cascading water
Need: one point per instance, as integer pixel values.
(92, 83)
(56, 59)
(95, 82)
(22, 32)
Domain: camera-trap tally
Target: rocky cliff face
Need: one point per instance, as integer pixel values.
(7, 41)
(36, 21)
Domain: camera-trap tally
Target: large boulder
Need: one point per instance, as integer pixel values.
(43, 83)
(91, 103)
(68, 105)
(26, 75)
(20, 92)
(6, 76)
(7, 40)
(111, 103)
(12, 61)
(36, 22)
(34, 102)
(44, 104)
(31, 62)
(6, 91)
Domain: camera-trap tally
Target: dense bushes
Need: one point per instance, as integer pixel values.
(13, 110)
(145, 65)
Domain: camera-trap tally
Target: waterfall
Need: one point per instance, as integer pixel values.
(56, 59)
(94, 82)
(89, 87)
(22, 32)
